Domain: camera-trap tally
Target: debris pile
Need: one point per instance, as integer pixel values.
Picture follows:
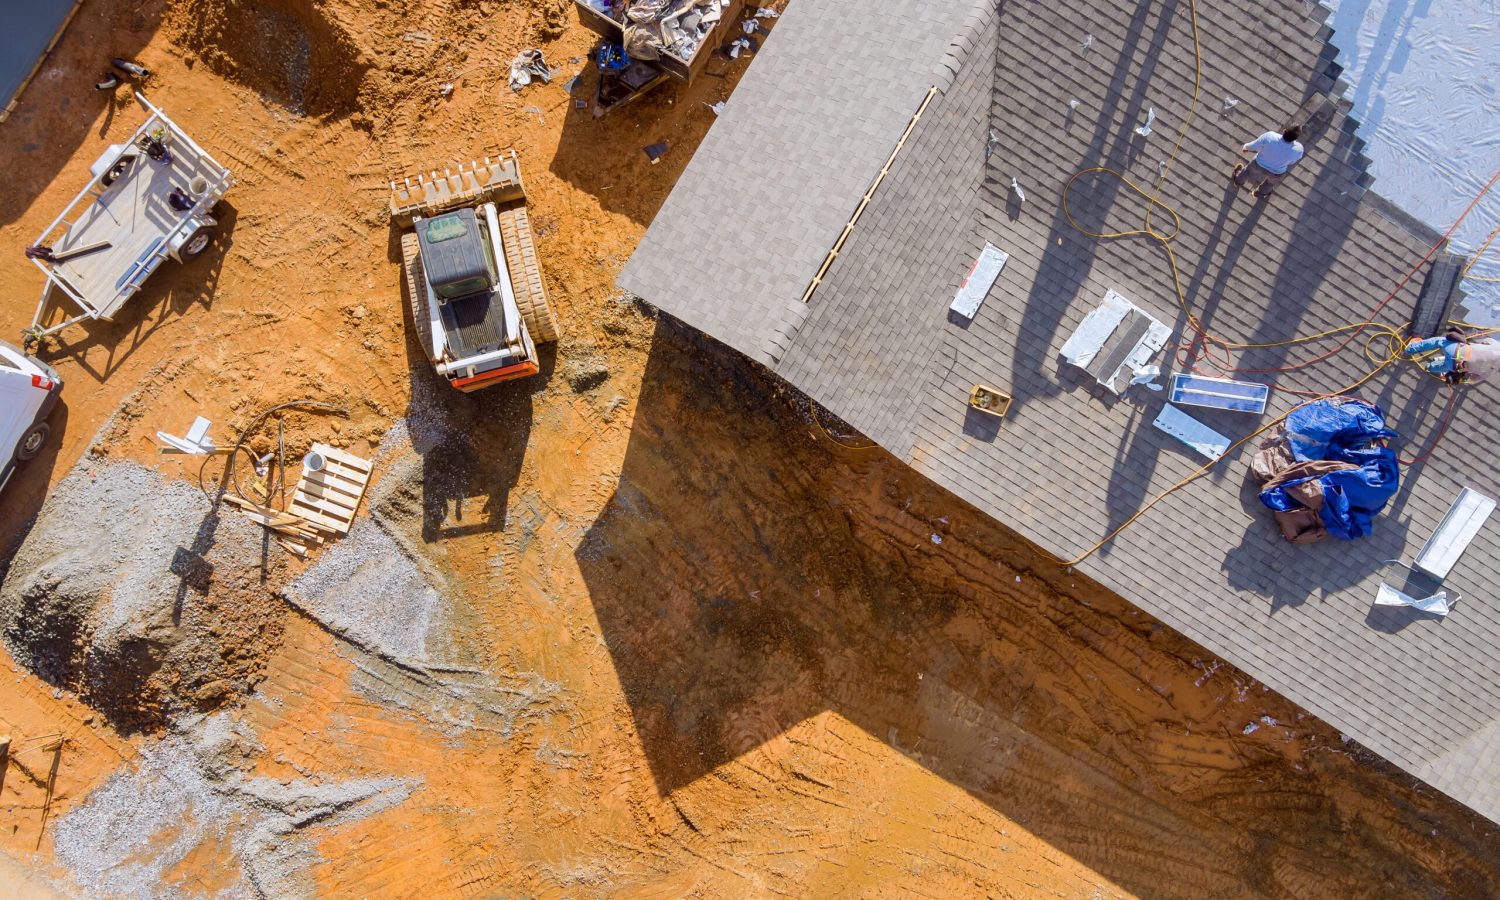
(663, 27)
(323, 505)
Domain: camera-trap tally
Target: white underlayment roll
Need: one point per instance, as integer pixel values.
(1425, 78)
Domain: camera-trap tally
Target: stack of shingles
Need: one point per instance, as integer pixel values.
(323, 505)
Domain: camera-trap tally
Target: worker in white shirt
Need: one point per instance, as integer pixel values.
(1275, 153)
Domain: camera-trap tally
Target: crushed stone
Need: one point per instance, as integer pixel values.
(130, 592)
(191, 786)
(366, 588)
(407, 648)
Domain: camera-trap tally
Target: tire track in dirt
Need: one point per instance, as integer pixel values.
(775, 681)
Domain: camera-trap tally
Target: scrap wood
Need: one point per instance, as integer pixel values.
(290, 525)
(262, 514)
(297, 533)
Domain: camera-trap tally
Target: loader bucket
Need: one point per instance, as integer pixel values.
(487, 180)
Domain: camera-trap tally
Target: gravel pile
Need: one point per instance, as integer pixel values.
(131, 593)
(366, 589)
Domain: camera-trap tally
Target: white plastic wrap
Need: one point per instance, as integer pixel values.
(1425, 78)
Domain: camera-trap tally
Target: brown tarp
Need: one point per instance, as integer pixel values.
(1274, 465)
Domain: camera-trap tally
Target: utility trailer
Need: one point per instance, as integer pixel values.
(634, 77)
(471, 272)
(148, 199)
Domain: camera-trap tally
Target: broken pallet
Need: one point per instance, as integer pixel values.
(293, 532)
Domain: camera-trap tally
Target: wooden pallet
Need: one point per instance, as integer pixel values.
(328, 500)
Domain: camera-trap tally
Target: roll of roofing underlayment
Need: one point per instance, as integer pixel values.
(1422, 79)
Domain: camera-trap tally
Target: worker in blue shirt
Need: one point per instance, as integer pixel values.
(1275, 153)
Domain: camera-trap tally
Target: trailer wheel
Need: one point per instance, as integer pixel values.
(33, 442)
(198, 242)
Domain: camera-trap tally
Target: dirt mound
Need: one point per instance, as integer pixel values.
(293, 52)
(131, 593)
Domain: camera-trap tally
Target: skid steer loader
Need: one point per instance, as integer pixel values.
(471, 271)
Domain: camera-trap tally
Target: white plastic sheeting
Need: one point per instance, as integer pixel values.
(1425, 78)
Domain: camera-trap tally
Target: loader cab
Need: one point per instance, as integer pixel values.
(459, 262)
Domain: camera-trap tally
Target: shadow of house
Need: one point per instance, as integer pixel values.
(745, 583)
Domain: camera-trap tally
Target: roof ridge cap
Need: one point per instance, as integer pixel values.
(982, 15)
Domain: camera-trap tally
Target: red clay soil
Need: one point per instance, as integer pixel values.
(771, 676)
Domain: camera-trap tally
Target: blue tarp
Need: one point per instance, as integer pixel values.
(1327, 429)
(1348, 432)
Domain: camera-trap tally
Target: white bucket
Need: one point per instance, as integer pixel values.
(313, 462)
(198, 186)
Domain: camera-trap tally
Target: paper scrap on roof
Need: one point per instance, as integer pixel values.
(981, 278)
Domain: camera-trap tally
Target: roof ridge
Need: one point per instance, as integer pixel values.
(982, 15)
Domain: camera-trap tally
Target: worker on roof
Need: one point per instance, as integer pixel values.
(1458, 359)
(1275, 154)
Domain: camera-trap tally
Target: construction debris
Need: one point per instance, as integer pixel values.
(528, 65)
(195, 443)
(324, 504)
(1145, 129)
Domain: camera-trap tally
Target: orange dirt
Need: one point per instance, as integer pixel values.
(740, 662)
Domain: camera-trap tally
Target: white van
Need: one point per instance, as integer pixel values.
(28, 390)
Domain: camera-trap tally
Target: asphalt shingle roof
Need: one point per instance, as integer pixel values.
(817, 116)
